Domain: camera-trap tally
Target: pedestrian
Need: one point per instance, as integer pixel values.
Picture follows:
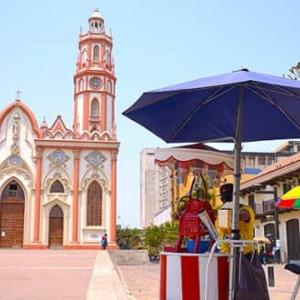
(104, 241)
(261, 252)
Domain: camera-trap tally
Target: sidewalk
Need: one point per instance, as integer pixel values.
(284, 283)
(105, 282)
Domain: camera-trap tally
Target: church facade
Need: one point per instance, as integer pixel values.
(58, 185)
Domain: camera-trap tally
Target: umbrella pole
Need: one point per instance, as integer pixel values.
(234, 266)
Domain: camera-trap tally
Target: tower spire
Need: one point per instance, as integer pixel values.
(96, 23)
(94, 93)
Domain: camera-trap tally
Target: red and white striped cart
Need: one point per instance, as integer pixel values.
(183, 276)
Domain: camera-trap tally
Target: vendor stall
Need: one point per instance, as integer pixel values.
(182, 276)
(185, 268)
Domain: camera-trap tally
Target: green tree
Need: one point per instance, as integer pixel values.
(294, 72)
(170, 232)
(128, 238)
(153, 239)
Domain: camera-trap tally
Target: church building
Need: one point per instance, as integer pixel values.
(57, 184)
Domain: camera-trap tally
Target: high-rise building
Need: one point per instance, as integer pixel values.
(155, 187)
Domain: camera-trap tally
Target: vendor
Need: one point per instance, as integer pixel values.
(246, 221)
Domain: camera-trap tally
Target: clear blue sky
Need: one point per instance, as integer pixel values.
(156, 43)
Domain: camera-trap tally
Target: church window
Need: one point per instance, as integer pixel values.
(57, 187)
(94, 204)
(95, 108)
(80, 85)
(12, 190)
(96, 53)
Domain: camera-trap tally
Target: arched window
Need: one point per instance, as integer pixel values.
(57, 187)
(56, 212)
(80, 85)
(13, 191)
(94, 205)
(96, 53)
(95, 108)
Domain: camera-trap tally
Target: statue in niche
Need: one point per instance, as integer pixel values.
(15, 149)
(16, 126)
(107, 57)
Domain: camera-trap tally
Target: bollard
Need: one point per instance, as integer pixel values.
(271, 278)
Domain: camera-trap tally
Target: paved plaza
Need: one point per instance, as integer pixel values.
(90, 275)
(143, 282)
(58, 274)
(45, 274)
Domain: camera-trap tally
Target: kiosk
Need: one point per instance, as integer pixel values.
(183, 276)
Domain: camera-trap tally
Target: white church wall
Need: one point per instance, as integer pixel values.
(25, 137)
(57, 165)
(17, 138)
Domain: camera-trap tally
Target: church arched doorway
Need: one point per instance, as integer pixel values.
(12, 215)
(56, 227)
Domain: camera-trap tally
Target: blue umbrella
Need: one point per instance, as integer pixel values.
(241, 106)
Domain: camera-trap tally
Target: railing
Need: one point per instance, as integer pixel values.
(12, 199)
(12, 193)
(265, 207)
(94, 118)
(268, 206)
(234, 244)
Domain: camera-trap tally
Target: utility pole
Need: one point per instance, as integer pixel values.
(277, 253)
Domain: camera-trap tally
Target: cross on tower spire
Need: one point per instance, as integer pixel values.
(18, 93)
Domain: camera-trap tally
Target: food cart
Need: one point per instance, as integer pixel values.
(185, 272)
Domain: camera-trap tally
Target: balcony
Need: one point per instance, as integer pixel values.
(94, 118)
(267, 208)
(264, 208)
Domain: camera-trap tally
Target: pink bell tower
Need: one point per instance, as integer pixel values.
(94, 108)
(94, 80)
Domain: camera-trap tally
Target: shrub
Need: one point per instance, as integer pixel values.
(128, 238)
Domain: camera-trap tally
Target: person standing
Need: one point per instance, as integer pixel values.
(104, 241)
(261, 252)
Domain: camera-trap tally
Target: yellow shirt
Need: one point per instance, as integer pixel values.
(246, 231)
(246, 228)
